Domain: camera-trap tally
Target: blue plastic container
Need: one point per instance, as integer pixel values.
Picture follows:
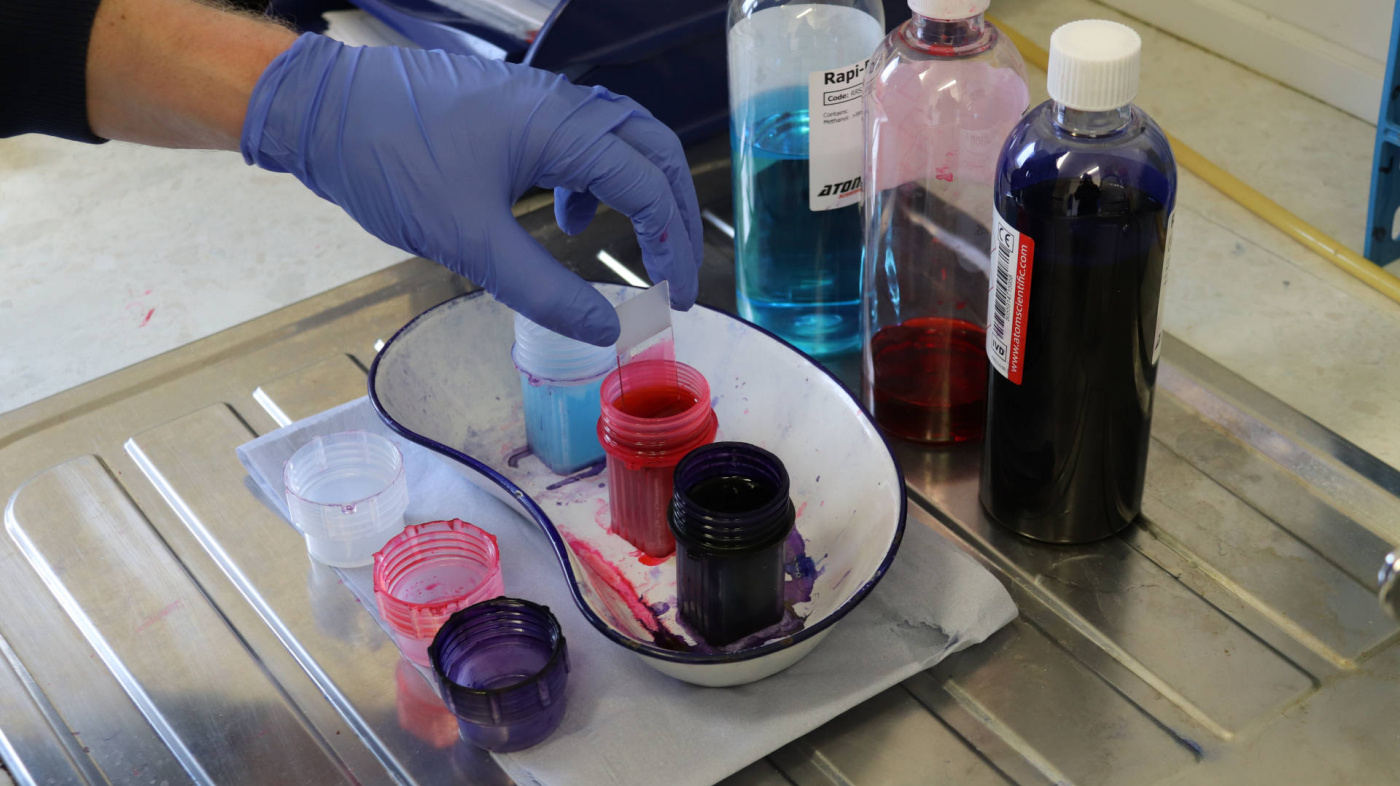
(559, 381)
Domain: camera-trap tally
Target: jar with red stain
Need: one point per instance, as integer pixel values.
(648, 424)
(428, 572)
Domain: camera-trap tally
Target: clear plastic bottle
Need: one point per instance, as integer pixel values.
(795, 80)
(941, 94)
(1084, 195)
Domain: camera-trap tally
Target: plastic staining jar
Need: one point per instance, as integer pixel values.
(731, 515)
(559, 381)
(347, 493)
(427, 572)
(501, 667)
(663, 414)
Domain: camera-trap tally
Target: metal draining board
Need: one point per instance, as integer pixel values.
(159, 625)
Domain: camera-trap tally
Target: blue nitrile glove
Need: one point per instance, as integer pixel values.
(429, 151)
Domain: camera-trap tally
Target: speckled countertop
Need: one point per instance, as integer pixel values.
(112, 254)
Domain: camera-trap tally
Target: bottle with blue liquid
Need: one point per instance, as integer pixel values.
(1081, 245)
(559, 382)
(796, 71)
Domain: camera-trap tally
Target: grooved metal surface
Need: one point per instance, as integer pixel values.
(161, 624)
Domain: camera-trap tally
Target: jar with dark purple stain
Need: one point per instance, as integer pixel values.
(501, 666)
(731, 514)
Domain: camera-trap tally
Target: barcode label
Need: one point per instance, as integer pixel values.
(1008, 298)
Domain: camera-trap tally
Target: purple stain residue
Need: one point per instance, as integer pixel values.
(801, 572)
(788, 625)
(513, 460)
(592, 470)
(841, 580)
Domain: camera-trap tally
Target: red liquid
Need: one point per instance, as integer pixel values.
(652, 401)
(931, 379)
(640, 496)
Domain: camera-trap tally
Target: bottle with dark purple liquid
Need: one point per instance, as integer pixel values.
(1084, 197)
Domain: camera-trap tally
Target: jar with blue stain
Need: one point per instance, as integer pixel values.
(559, 381)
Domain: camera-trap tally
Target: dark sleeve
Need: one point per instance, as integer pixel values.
(43, 67)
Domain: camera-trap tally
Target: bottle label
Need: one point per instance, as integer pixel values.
(836, 136)
(1008, 297)
(1162, 293)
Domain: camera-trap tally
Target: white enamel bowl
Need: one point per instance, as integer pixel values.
(446, 381)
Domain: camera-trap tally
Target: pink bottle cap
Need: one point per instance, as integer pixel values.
(427, 572)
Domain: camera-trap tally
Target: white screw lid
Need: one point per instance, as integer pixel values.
(949, 9)
(1094, 65)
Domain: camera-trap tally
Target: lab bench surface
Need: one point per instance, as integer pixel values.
(174, 630)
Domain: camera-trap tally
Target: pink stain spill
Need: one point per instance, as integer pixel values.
(159, 615)
(649, 560)
(603, 516)
(147, 320)
(801, 509)
(606, 574)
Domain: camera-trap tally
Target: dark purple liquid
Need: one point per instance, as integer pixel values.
(731, 494)
(1066, 449)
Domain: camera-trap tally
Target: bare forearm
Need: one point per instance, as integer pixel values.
(176, 73)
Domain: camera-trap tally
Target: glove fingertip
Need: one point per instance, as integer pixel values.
(594, 321)
(573, 210)
(583, 314)
(602, 331)
(683, 297)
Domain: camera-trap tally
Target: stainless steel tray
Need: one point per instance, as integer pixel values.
(1232, 637)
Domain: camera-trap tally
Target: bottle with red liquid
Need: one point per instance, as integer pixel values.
(941, 94)
(654, 412)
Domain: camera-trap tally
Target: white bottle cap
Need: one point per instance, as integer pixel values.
(1094, 65)
(949, 9)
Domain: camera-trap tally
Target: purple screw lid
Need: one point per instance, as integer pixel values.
(501, 667)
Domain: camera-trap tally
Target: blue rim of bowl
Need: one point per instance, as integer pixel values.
(561, 552)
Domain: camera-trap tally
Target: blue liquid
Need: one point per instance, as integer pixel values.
(561, 423)
(798, 270)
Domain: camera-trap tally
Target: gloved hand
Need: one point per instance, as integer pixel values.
(429, 151)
